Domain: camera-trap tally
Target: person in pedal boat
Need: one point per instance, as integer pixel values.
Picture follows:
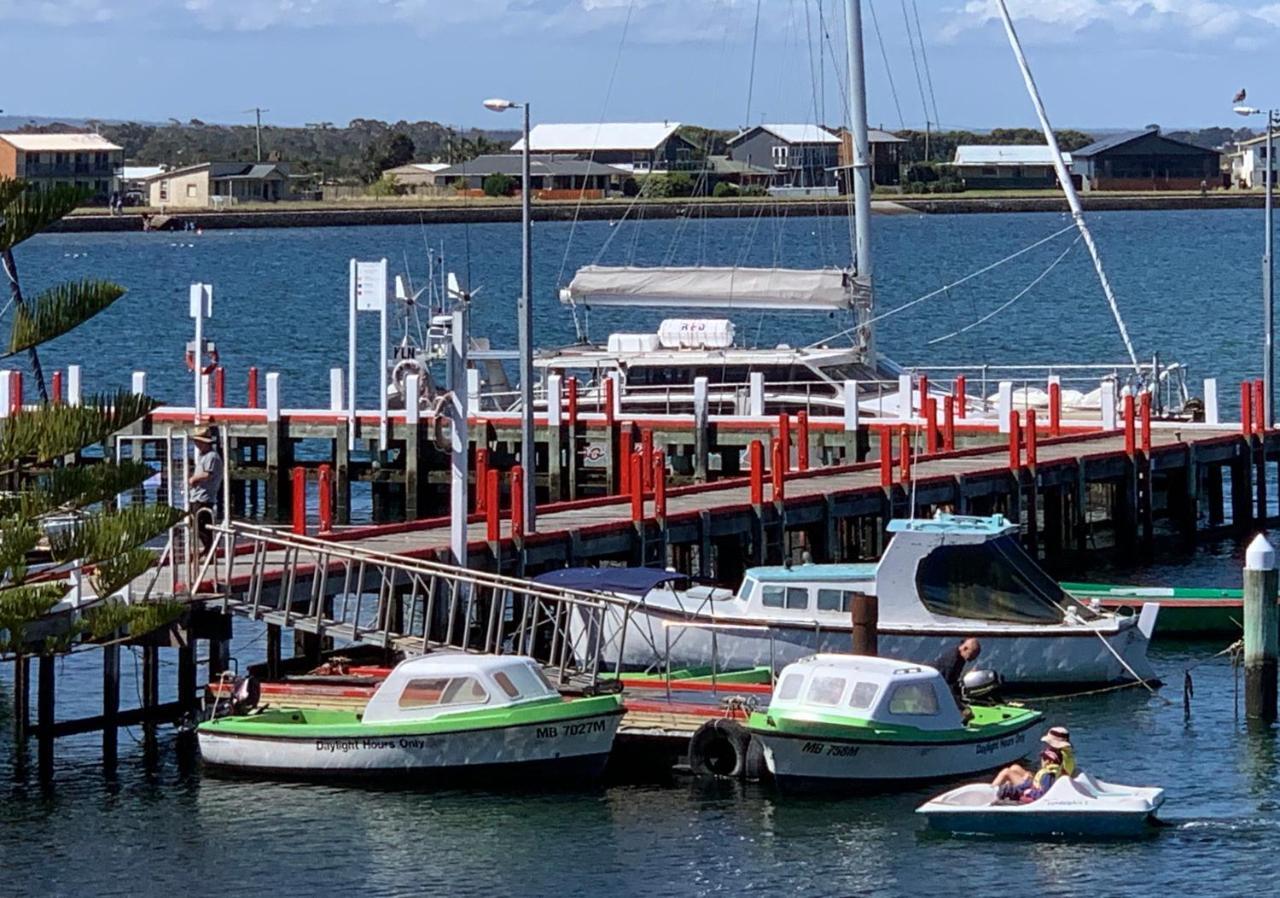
(1046, 776)
(951, 666)
(1058, 755)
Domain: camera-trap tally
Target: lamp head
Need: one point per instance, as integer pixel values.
(497, 104)
(1245, 110)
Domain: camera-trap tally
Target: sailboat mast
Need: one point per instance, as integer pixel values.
(860, 173)
(1064, 178)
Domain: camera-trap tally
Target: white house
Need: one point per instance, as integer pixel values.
(1248, 164)
(992, 166)
(632, 146)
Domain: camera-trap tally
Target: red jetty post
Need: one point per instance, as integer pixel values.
(886, 457)
(802, 441)
(1031, 438)
(517, 501)
(608, 400)
(324, 482)
(924, 391)
(961, 400)
(625, 442)
(948, 423)
(1259, 408)
(15, 392)
(904, 453)
(219, 387)
(300, 500)
(55, 388)
(1055, 409)
(784, 440)
(757, 472)
(1129, 440)
(571, 400)
(779, 472)
(253, 387)
(492, 514)
(482, 477)
(1146, 423)
(660, 484)
(930, 426)
(1246, 408)
(1015, 440)
(646, 460)
(636, 464)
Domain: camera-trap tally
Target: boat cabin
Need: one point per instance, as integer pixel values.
(879, 690)
(436, 685)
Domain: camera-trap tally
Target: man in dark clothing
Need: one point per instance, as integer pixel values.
(951, 666)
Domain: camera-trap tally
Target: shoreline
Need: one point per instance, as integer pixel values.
(313, 215)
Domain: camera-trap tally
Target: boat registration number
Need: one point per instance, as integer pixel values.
(571, 729)
(831, 751)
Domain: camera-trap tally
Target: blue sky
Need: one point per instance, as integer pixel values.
(1100, 63)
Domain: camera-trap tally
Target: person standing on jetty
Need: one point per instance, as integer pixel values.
(205, 485)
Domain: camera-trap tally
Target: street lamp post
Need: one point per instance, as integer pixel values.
(1268, 279)
(525, 323)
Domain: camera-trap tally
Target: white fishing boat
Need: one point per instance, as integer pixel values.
(437, 717)
(940, 580)
(848, 720)
(1072, 806)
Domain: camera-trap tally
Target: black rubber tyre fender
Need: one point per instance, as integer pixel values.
(720, 748)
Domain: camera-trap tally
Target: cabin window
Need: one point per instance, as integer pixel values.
(529, 680)
(797, 598)
(826, 690)
(863, 695)
(430, 692)
(834, 600)
(914, 698)
(772, 596)
(790, 687)
(504, 682)
(995, 580)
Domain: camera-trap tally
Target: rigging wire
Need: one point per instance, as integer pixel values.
(751, 78)
(888, 69)
(915, 62)
(1017, 296)
(924, 57)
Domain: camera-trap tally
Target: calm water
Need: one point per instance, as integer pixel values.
(1188, 283)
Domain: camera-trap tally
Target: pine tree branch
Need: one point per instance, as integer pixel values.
(73, 488)
(31, 211)
(51, 431)
(15, 291)
(58, 310)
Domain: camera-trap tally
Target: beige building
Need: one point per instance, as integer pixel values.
(87, 161)
(219, 184)
(416, 175)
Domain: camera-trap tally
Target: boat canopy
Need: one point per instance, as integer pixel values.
(433, 686)
(862, 689)
(629, 580)
(818, 289)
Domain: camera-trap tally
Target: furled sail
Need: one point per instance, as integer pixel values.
(819, 289)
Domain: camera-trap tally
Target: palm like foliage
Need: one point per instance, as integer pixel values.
(56, 512)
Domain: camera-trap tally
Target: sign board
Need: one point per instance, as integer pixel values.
(201, 301)
(371, 286)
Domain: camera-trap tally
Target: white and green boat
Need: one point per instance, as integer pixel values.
(849, 720)
(438, 717)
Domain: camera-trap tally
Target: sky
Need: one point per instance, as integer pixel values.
(1099, 63)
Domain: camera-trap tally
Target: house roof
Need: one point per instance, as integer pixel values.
(725, 166)
(1119, 140)
(239, 171)
(791, 133)
(56, 142)
(875, 135)
(562, 138)
(140, 172)
(510, 164)
(414, 168)
(1025, 154)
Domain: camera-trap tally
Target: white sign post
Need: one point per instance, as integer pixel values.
(201, 307)
(368, 294)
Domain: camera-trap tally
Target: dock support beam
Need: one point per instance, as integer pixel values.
(45, 712)
(1260, 633)
(110, 706)
(21, 697)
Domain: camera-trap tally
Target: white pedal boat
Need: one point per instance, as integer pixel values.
(1073, 806)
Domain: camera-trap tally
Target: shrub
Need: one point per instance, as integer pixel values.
(922, 172)
(630, 187)
(679, 184)
(498, 184)
(755, 190)
(725, 189)
(385, 186)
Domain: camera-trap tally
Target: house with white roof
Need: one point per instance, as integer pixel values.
(637, 147)
(416, 175)
(88, 161)
(1249, 163)
(801, 156)
(1011, 167)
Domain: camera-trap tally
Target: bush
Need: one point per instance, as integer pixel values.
(725, 189)
(661, 186)
(755, 190)
(680, 184)
(498, 184)
(922, 172)
(630, 187)
(385, 186)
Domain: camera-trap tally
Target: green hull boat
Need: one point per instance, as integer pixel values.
(1185, 613)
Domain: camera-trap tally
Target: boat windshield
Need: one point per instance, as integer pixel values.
(995, 580)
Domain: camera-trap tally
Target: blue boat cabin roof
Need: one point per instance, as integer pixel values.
(812, 572)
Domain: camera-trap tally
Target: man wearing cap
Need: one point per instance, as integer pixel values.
(205, 484)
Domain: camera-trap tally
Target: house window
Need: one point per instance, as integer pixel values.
(191, 191)
(164, 191)
(780, 152)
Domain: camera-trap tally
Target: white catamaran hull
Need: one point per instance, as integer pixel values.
(800, 760)
(1042, 657)
(577, 746)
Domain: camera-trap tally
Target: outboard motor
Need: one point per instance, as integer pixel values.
(979, 685)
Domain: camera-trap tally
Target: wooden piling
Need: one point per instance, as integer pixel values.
(21, 696)
(1261, 617)
(45, 714)
(865, 614)
(273, 651)
(110, 705)
(150, 701)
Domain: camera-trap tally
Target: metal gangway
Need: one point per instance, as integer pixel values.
(359, 595)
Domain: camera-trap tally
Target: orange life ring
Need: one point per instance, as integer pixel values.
(210, 350)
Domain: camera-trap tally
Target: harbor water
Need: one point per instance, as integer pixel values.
(1188, 284)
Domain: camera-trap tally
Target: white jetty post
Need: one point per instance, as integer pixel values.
(701, 419)
(851, 406)
(139, 383)
(459, 436)
(1211, 400)
(617, 394)
(473, 391)
(1108, 396)
(74, 395)
(755, 405)
(906, 402)
(412, 410)
(337, 390)
(200, 308)
(1261, 615)
(6, 394)
(554, 412)
(1004, 404)
(273, 396)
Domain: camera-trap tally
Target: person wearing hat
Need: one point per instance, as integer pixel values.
(1059, 738)
(205, 484)
(1014, 780)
